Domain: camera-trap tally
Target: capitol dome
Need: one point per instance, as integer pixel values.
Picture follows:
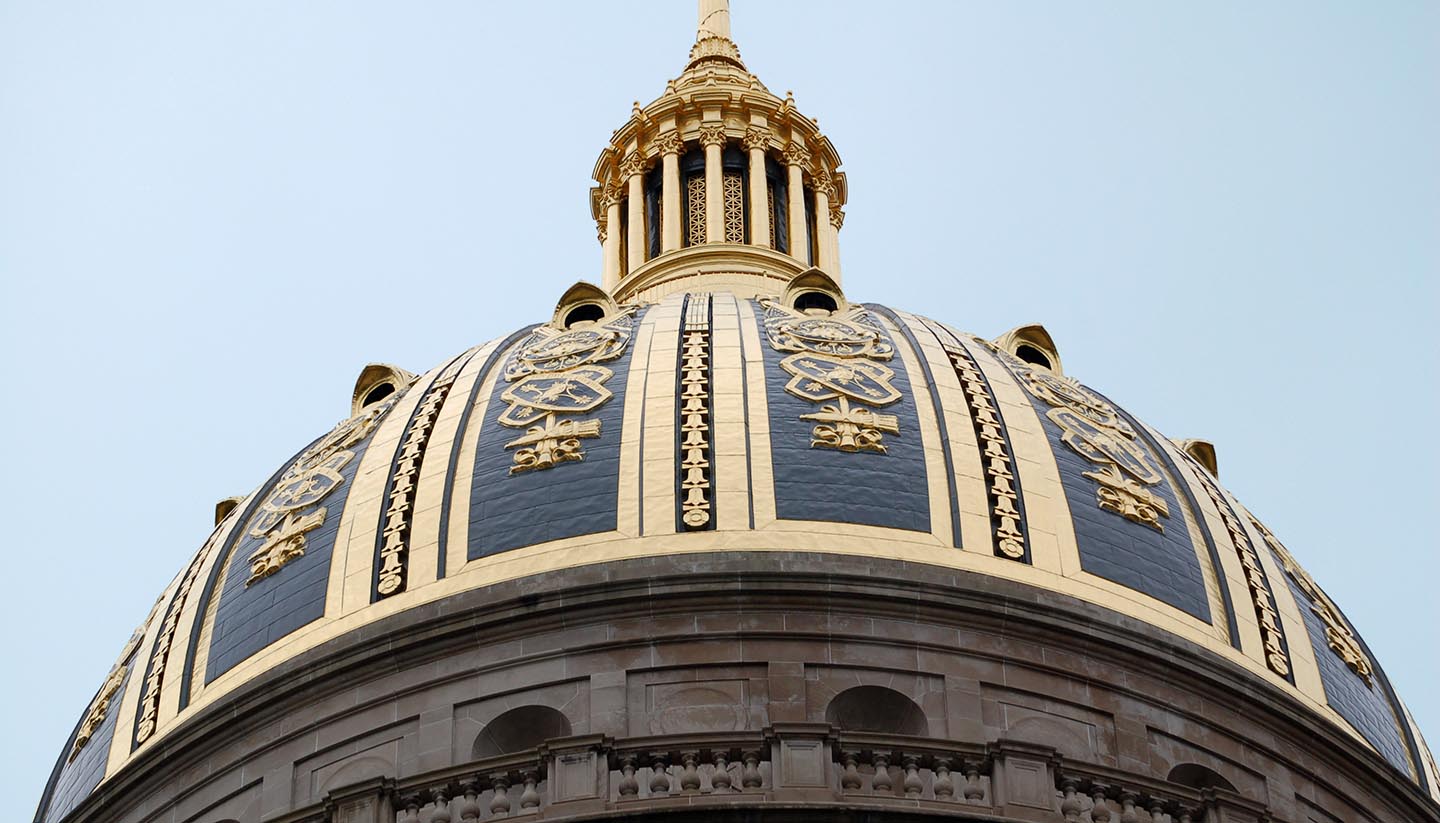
(713, 540)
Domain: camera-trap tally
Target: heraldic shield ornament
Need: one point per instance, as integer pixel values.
(555, 379)
(837, 358)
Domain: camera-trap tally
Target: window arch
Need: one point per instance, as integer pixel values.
(518, 730)
(1199, 777)
(876, 709)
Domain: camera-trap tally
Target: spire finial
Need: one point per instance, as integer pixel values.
(714, 19)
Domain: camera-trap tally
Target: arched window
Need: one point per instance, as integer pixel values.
(654, 208)
(778, 204)
(876, 709)
(519, 730)
(1198, 777)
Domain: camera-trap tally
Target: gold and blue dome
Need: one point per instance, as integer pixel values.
(720, 392)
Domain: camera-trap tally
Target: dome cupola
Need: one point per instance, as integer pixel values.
(717, 178)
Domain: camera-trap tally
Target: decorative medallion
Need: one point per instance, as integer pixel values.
(995, 455)
(292, 508)
(695, 448)
(837, 357)
(1338, 636)
(1271, 634)
(400, 508)
(554, 380)
(1094, 429)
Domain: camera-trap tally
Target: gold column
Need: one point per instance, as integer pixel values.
(633, 171)
(825, 232)
(610, 241)
(670, 146)
(757, 140)
(712, 137)
(796, 159)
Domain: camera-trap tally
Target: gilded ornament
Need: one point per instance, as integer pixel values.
(1094, 429)
(633, 164)
(669, 143)
(712, 134)
(99, 708)
(400, 503)
(996, 459)
(1338, 636)
(695, 464)
(1271, 634)
(850, 429)
(836, 357)
(756, 137)
(555, 373)
(796, 154)
(552, 442)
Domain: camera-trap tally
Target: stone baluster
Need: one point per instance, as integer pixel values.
(660, 774)
(720, 780)
(750, 775)
(1157, 810)
(1071, 805)
(500, 803)
(850, 778)
(530, 797)
(944, 784)
(470, 806)
(690, 772)
(411, 811)
(629, 786)
(1100, 812)
(441, 800)
(912, 783)
(974, 792)
(1128, 812)
(881, 784)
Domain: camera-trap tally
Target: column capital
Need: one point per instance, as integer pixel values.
(837, 217)
(756, 137)
(796, 154)
(609, 195)
(633, 164)
(822, 182)
(712, 134)
(669, 143)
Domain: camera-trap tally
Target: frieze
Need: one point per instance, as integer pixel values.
(404, 483)
(837, 358)
(1271, 634)
(555, 378)
(695, 446)
(1094, 429)
(292, 509)
(1338, 636)
(996, 455)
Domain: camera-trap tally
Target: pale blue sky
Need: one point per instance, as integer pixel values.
(213, 214)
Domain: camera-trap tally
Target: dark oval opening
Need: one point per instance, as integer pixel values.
(378, 393)
(1030, 354)
(877, 709)
(811, 300)
(587, 313)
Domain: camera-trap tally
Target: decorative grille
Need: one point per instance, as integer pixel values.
(695, 202)
(770, 210)
(734, 207)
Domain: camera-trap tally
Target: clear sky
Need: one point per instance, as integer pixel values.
(212, 215)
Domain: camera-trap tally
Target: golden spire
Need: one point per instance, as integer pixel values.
(712, 35)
